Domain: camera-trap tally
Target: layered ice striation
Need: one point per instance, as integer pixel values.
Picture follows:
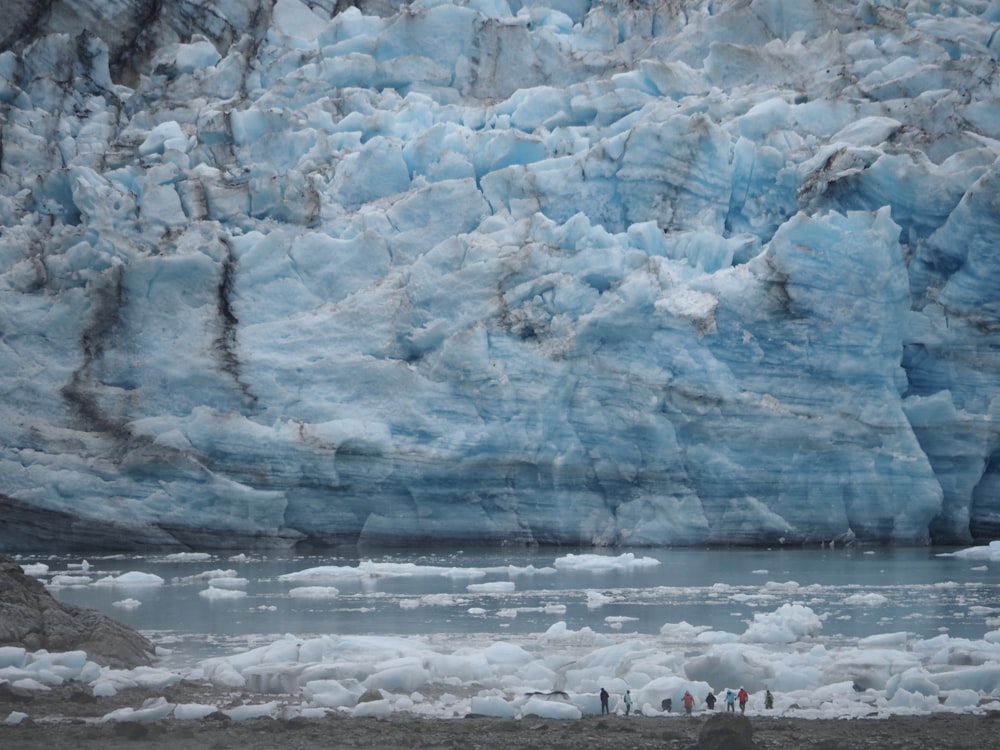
(557, 272)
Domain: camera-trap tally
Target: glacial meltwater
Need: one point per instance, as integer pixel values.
(194, 605)
(833, 632)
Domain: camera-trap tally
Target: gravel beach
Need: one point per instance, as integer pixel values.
(68, 718)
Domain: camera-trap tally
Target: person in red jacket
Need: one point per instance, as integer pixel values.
(688, 701)
(743, 696)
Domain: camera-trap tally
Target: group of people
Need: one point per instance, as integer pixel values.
(606, 696)
(740, 696)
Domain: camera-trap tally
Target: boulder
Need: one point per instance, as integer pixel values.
(726, 732)
(30, 617)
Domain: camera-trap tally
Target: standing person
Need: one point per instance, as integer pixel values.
(688, 701)
(769, 699)
(604, 702)
(710, 700)
(743, 697)
(730, 700)
(628, 702)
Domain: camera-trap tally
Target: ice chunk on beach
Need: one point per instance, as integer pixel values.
(251, 711)
(13, 656)
(153, 709)
(493, 705)
(193, 711)
(546, 708)
(379, 709)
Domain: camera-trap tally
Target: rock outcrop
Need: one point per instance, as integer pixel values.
(32, 618)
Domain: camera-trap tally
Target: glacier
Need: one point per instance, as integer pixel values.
(484, 271)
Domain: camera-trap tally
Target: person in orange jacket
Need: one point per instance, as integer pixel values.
(743, 696)
(688, 701)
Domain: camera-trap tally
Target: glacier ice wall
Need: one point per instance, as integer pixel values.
(557, 272)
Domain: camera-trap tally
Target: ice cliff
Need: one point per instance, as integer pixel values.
(636, 273)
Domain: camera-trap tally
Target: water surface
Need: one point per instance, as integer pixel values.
(858, 592)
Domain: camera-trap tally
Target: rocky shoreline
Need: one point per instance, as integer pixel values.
(70, 718)
(32, 619)
(66, 719)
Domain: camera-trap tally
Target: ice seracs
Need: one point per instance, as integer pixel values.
(608, 274)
